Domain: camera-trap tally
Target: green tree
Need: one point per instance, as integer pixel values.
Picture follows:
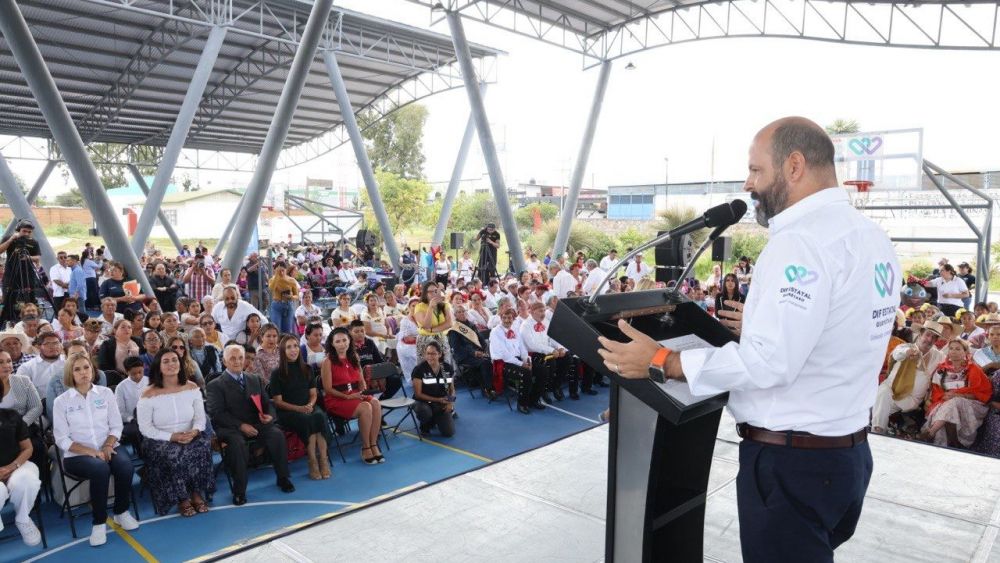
(404, 199)
(471, 212)
(395, 142)
(107, 158)
(842, 126)
(72, 198)
(525, 216)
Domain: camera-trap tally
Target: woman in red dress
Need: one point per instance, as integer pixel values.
(344, 393)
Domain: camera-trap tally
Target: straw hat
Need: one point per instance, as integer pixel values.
(944, 320)
(986, 321)
(25, 344)
(934, 327)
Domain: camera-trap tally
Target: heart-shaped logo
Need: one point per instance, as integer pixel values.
(800, 274)
(862, 146)
(885, 278)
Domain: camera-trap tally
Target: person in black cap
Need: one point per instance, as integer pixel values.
(489, 240)
(20, 280)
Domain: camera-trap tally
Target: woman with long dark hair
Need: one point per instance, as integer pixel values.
(730, 291)
(344, 393)
(433, 317)
(178, 456)
(295, 399)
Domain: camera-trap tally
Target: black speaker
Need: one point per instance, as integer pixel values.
(672, 256)
(457, 241)
(722, 249)
(93, 232)
(365, 238)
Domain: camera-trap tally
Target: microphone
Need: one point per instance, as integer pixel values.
(738, 207)
(721, 216)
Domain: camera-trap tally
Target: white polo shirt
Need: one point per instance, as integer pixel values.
(88, 421)
(955, 285)
(815, 326)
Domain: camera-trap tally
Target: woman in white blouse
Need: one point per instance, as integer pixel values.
(951, 289)
(87, 428)
(178, 456)
(406, 340)
(375, 324)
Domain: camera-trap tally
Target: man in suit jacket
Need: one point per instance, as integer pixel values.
(236, 418)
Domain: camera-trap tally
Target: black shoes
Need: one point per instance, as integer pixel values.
(538, 406)
(425, 430)
(547, 398)
(285, 485)
(574, 396)
(239, 500)
(523, 409)
(558, 394)
(591, 391)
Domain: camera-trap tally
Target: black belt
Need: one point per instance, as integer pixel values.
(800, 440)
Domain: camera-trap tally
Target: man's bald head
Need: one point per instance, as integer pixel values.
(798, 134)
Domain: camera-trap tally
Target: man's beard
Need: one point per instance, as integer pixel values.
(770, 201)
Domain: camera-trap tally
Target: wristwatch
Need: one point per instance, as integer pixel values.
(658, 365)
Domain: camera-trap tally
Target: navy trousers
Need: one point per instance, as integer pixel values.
(799, 504)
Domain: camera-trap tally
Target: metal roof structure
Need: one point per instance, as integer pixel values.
(609, 29)
(122, 67)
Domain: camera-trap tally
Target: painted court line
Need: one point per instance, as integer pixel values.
(555, 408)
(447, 447)
(142, 551)
(288, 551)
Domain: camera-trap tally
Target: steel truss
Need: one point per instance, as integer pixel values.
(951, 25)
(328, 219)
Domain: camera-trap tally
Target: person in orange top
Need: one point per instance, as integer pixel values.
(959, 394)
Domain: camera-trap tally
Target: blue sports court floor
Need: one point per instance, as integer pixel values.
(484, 433)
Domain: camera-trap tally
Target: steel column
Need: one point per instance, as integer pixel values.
(229, 228)
(569, 205)
(178, 136)
(361, 154)
(35, 190)
(29, 59)
(159, 213)
(21, 209)
(456, 179)
(464, 57)
(276, 134)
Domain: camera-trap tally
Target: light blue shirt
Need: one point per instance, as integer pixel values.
(90, 268)
(78, 283)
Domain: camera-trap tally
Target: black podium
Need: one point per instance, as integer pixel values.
(661, 437)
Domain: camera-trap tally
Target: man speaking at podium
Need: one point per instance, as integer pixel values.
(803, 376)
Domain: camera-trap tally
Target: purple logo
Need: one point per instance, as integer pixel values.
(862, 146)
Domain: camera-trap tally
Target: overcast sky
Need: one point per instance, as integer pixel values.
(678, 103)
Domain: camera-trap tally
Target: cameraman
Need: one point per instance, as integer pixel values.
(199, 279)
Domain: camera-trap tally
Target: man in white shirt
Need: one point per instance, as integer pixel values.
(231, 315)
(594, 277)
(505, 344)
(909, 378)
(59, 276)
(563, 282)
(48, 364)
(637, 269)
(609, 261)
(802, 379)
(546, 375)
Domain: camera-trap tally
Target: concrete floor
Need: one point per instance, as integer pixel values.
(924, 504)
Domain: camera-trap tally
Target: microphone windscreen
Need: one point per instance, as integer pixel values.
(739, 208)
(719, 215)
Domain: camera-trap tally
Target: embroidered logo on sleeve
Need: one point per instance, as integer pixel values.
(800, 275)
(885, 278)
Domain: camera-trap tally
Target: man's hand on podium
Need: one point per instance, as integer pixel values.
(732, 319)
(632, 359)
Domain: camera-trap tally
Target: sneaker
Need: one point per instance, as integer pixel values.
(29, 533)
(126, 521)
(98, 535)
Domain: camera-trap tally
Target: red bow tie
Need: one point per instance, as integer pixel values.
(539, 327)
(510, 333)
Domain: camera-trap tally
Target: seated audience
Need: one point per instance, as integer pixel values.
(206, 357)
(959, 393)
(48, 364)
(968, 331)
(406, 340)
(313, 351)
(152, 342)
(238, 405)
(56, 386)
(369, 355)
(111, 355)
(232, 315)
(127, 394)
(988, 358)
(177, 453)
(212, 334)
(506, 347)
(268, 355)
(65, 328)
(190, 368)
(909, 377)
(434, 392)
(19, 480)
(294, 392)
(471, 353)
(109, 316)
(344, 393)
(87, 428)
(342, 315)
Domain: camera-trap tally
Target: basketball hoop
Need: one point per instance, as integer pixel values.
(861, 185)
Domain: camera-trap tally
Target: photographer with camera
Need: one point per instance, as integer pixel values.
(489, 244)
(199, 279)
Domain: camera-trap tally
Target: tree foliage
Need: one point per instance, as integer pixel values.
(395, 142)
(842, 126)
(472, 212)
(72, 198)
(404, 199)
(593, 242)
(107, 156)
(525, 216)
